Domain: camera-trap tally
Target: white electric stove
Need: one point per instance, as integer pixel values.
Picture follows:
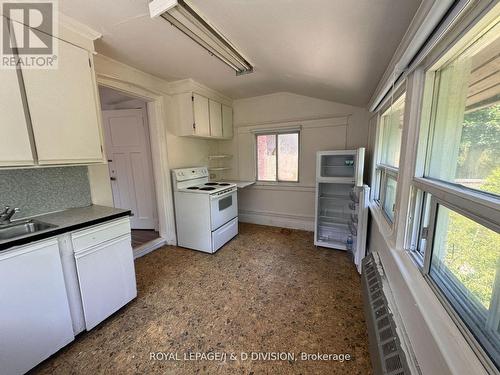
(206, 213)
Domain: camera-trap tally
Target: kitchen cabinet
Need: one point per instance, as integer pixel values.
(195, 115)
(227, 122)
(201, 116)
(35, 320)
(105, 266)
(16, 147)
(63, 109)
(215, 118)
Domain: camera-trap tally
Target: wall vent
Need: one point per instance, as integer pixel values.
(386, 353)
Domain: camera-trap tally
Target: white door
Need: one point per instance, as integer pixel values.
(107, 278)
(63, 109)
(215, 118)
(35, 320)
(16, 148)
(201, 116)
(130, 165)
(227, 121)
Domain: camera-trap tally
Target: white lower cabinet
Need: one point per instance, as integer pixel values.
(35, 320)
(105, 266)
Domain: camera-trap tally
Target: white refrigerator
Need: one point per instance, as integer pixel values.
(341, 202)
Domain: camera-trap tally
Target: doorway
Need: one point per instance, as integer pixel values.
(128, 149)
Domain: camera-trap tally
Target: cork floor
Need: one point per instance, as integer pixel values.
(269, 290)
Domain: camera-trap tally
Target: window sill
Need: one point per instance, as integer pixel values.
(435, 339)
(385, 227)
(292, 186)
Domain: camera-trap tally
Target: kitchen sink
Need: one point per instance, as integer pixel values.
(21, 228)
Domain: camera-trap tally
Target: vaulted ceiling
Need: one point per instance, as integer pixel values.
(330, 49)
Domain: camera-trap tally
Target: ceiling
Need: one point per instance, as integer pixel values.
(329, 49)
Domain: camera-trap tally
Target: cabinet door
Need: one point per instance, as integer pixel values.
(201, 116)
(227, 122)
(35, 321)
(63, 109)
(107, 278)
(215, 119)
(16, 148)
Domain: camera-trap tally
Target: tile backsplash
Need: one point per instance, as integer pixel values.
(40, 190)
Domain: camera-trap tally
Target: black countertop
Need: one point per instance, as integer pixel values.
(65, 221)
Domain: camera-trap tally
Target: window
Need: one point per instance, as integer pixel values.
(389, 148)
(278, 157)
(465, 144)
(464, 265)
(454, 220)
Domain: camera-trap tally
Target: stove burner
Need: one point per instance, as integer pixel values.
(193, 188)
(211, 183)
(224, 184)
(207, 188)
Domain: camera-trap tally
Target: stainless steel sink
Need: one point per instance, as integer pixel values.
(21, 228)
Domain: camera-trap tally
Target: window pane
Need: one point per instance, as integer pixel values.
(288, 157)
(390, 197)
(266, 157)
(391, 131)
(465, 148)
(464, 264)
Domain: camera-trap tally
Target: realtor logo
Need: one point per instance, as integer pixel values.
(27, 35)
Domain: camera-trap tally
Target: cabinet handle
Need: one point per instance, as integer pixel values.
(112, 178)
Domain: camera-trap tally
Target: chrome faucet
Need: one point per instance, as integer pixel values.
(7, 214)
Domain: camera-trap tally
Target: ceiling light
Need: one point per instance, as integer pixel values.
(186, 19)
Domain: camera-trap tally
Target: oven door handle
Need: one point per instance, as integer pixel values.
(216, 197)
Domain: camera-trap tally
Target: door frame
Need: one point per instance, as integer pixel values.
(157, 137)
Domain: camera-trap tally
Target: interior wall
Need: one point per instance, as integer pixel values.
(324, 125)
(181, 151)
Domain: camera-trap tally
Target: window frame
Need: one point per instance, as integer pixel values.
(480, 206)
(383, 171)
(275, 133)
(474, 212)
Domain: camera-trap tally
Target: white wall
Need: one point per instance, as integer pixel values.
(181, 151)
(324, 125)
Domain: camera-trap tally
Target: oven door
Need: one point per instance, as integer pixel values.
(223, 208)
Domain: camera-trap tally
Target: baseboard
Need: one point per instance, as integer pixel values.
(149, 247)
(277, 219)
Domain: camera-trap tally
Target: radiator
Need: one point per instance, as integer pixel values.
(386, 353)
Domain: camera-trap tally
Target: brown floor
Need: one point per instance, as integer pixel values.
(268, 290)
(141, 236)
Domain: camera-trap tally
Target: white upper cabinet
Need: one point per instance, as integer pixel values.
(215, 118)
(201, 116)
(63, 109)
(227, 121)
(195, 115)
(16, 148)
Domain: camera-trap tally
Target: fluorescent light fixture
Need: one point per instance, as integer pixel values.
(186, 19)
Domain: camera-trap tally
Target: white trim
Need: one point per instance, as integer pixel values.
(156, 118)
(190, 85)
(282, 186)
(78, 27)
(425, 20)
(149, 247)
(277, 219)
(310, 122)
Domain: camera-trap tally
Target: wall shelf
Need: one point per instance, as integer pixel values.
(222, 156)
(219, 169)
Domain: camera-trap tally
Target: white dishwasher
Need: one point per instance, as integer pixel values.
(105, 267)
